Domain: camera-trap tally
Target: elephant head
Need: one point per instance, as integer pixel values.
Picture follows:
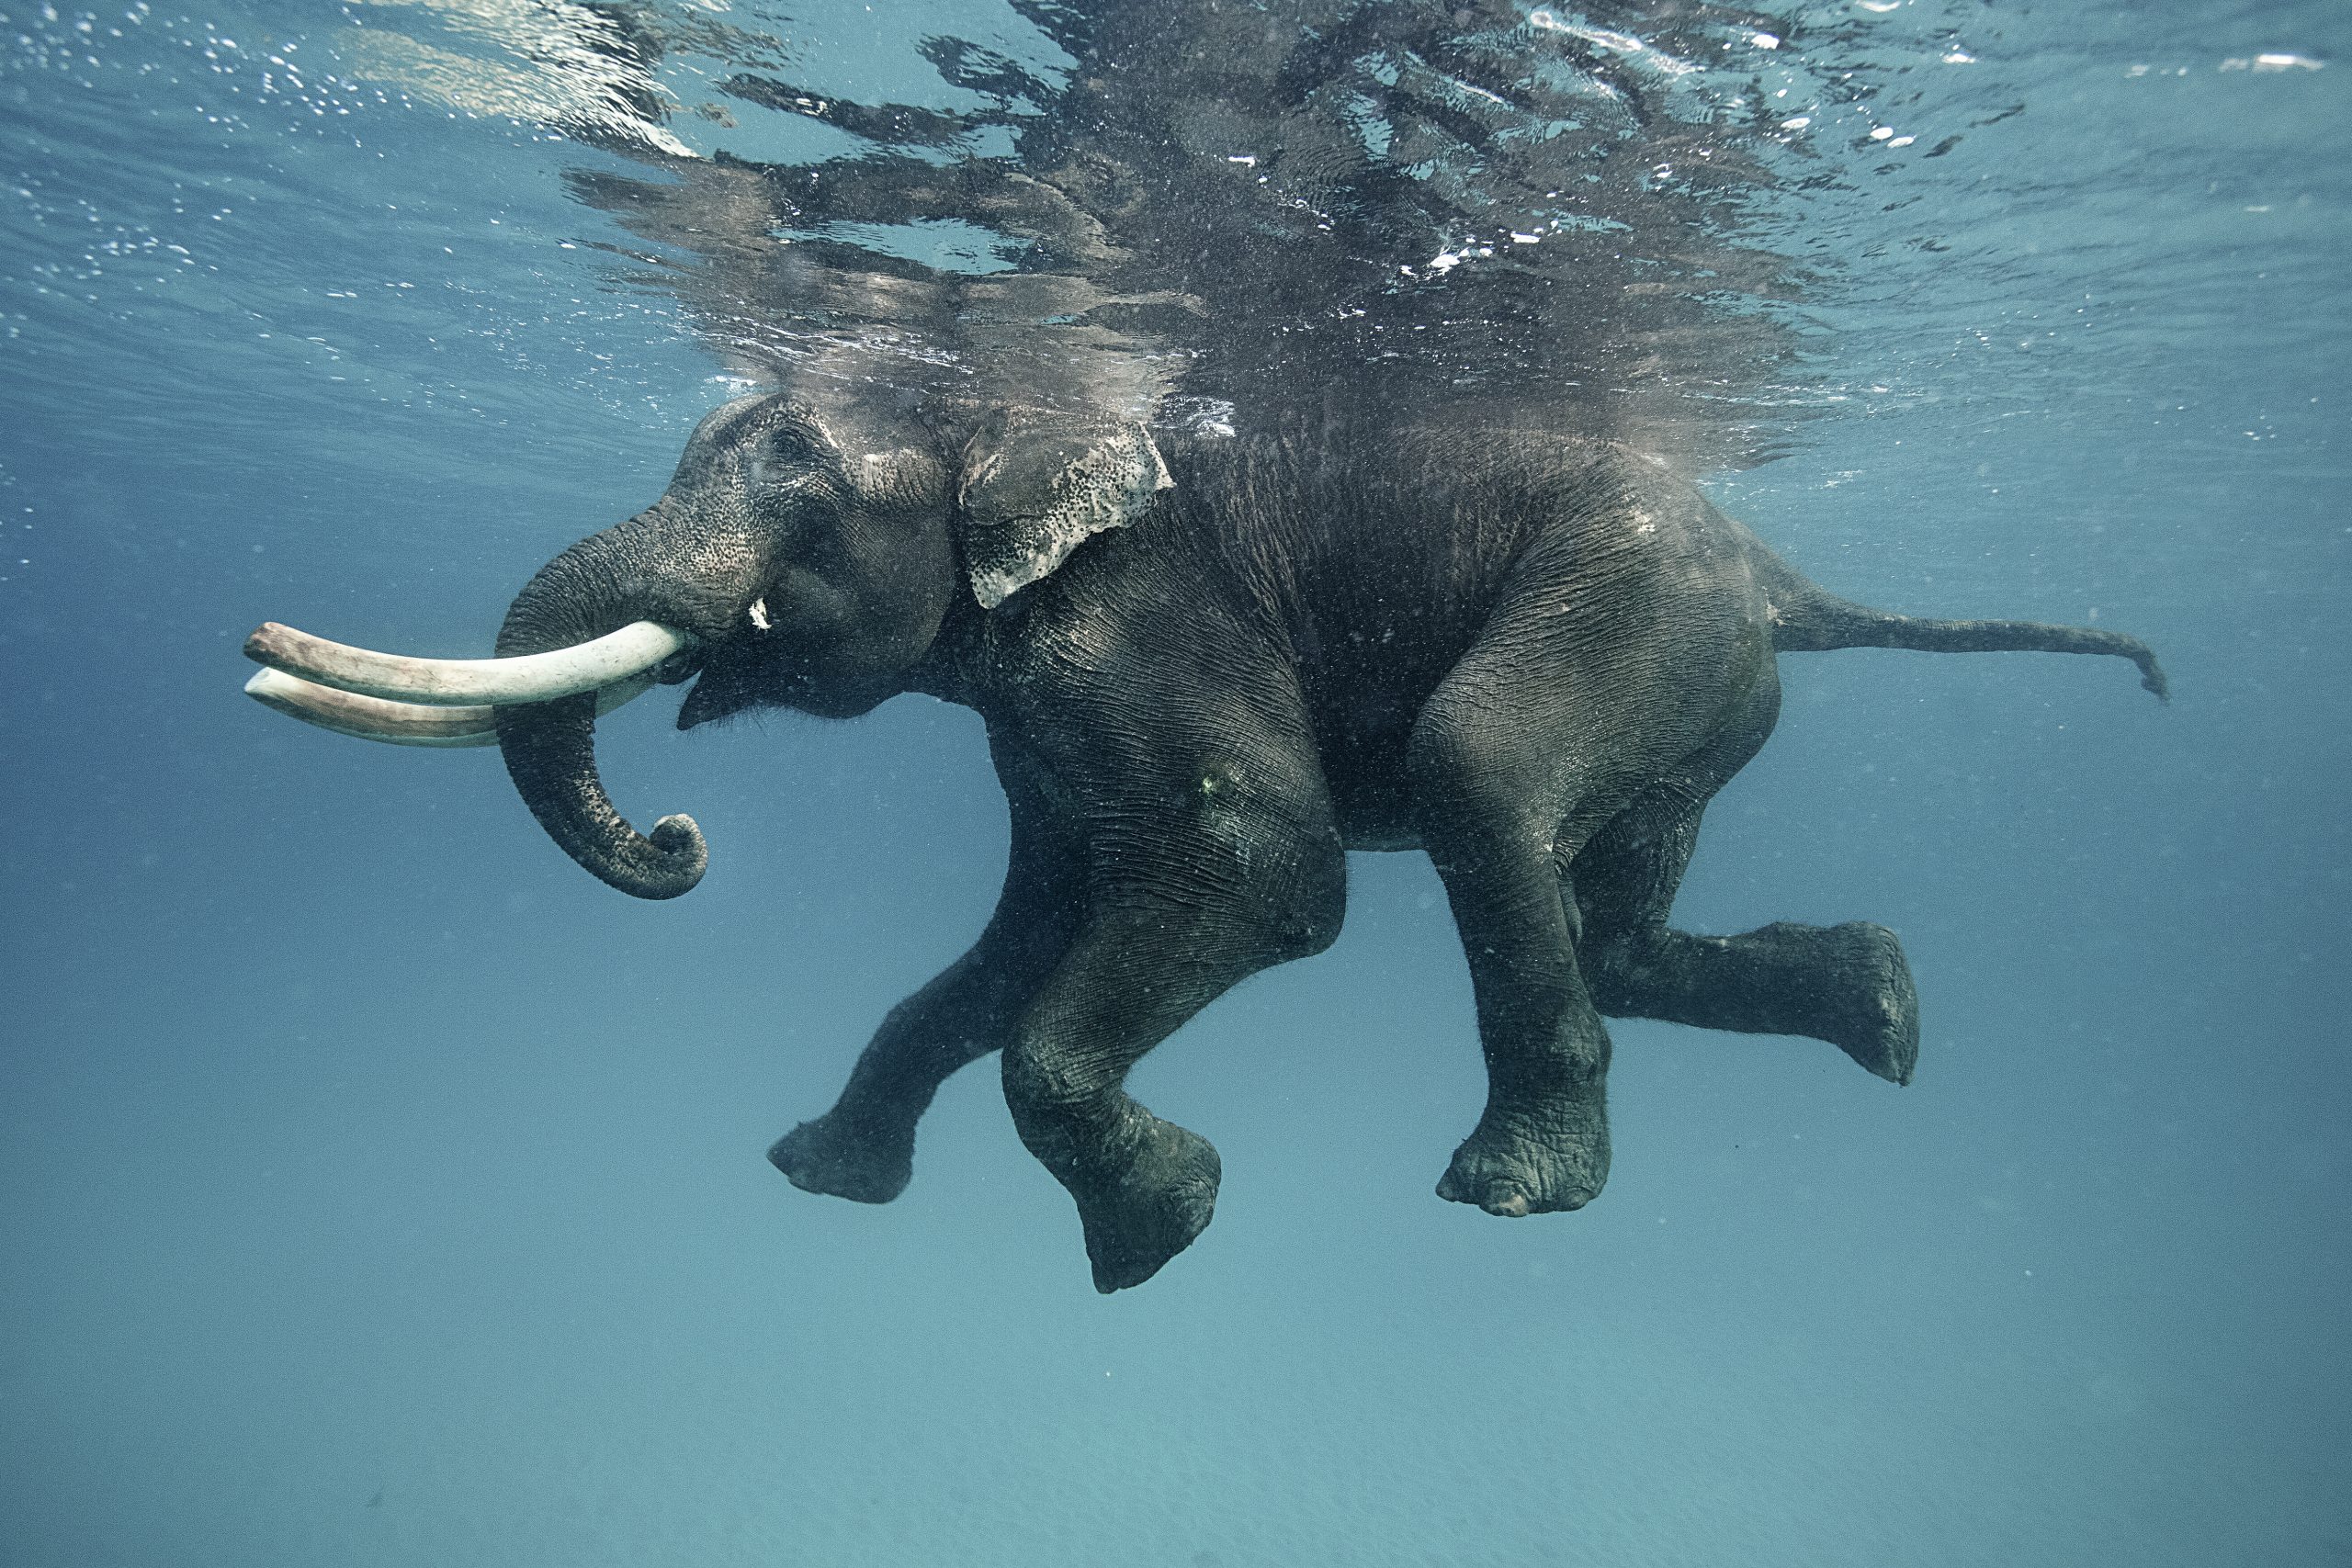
(798, 559)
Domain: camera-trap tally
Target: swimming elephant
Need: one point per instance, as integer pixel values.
(1210, 665)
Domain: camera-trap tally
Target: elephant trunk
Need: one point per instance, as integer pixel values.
(550, 751)
(602, 584)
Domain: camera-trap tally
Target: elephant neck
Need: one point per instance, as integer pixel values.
(954, 667)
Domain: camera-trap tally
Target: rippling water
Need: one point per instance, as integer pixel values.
(374, 1188)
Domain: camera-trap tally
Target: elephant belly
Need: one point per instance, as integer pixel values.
(1363, 767)
(1379, 842)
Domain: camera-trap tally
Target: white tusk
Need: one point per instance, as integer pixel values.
(465, 682)
(400, 724)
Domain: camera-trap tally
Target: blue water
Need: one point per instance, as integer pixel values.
(378, 1188)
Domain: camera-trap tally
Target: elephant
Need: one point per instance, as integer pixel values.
(1209, 665)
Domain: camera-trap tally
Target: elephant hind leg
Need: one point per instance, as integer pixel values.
(1612, 671)
(1850, 984)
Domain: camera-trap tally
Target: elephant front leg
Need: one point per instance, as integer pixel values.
(1144, 1186)
(1210, 852)
(863, 1148)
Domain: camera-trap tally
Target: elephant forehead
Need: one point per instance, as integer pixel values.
(743, 419)
(732, 421)
(900, 474)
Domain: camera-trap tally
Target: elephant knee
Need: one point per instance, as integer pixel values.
(1612, 987)
(1041, 1078)
(1068, 1107)
(1616, 970)
(1274, 897)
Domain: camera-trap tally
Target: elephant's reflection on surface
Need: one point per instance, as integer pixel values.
(1209, 665)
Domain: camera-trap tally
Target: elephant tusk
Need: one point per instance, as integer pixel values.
(402, 724)
(619, 656)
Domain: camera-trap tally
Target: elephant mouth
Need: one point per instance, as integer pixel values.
(730, 680)
(717, 693)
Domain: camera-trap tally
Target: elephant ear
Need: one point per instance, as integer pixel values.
(1037, 483)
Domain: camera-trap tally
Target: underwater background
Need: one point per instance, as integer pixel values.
(376, 1188)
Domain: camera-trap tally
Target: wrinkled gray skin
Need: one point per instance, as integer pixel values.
(1534, 656)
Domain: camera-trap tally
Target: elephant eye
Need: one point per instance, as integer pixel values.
(790, 446)
(760, 614)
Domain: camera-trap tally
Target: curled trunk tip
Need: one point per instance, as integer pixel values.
(550, 751)
(677, 839)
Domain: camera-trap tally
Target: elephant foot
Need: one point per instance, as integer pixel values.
(835, 1155)
(1540, 1160)
(1147, 1213)
(1877, 1021)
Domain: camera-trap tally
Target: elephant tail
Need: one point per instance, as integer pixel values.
(1807, 620)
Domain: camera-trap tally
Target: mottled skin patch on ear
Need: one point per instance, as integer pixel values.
(1037, 483)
